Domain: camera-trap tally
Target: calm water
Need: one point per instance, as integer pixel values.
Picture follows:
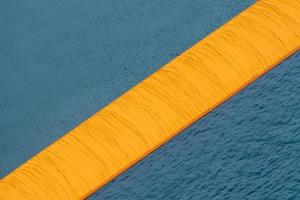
(60, 61)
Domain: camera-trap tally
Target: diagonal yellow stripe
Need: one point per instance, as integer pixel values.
(161, 106)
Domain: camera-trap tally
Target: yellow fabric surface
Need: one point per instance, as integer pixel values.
(161, 106)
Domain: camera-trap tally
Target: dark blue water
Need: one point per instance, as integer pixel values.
(248, 148)
(60, 61)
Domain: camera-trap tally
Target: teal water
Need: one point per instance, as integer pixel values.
(61, 61)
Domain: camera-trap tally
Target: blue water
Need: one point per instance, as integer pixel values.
(61, 61)
(248, 148)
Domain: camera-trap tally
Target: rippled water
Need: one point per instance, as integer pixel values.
(248, 148)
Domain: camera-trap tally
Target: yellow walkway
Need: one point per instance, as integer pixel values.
(161, 106)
